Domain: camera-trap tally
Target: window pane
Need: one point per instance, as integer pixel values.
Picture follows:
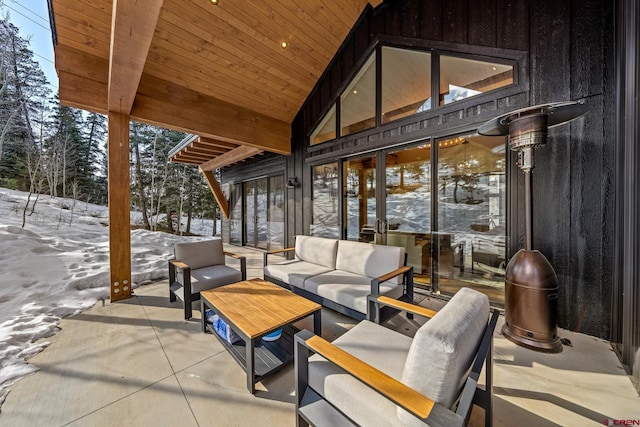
(326, 130)
(406, 83)
(235, 220)
(358, 101)
(276, 212)
(324, 200)
(472, 214)
(360, 198)
(462, 78)
(408, 203)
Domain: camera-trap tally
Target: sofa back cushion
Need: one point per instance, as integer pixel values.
(317, 250)
(443, 349)
(200, 254)
(369, 259)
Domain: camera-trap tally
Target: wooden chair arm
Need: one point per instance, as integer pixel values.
(178, 264)
(401, 394)
(393, 274)
(243, 263)
(232, 255)
(406, 306)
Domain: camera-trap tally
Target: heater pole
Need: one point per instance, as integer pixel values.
(528, 207)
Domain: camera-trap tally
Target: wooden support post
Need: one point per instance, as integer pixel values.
(214, 186)
(119, 206)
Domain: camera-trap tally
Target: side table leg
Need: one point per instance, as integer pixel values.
(202, 316)
(250, 345)
(317, 323)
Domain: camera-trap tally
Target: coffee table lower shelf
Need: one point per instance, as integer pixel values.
(269, 356)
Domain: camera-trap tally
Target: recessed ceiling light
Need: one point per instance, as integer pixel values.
(284, 44)
(214, 2)
(355, 92)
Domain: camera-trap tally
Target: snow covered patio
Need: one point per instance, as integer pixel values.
(138, 363)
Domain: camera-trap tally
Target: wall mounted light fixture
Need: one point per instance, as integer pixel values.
(292, 182)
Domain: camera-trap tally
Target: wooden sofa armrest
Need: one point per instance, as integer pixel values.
(243, 263)
(275, 251)
(394, 273)
(399, 393)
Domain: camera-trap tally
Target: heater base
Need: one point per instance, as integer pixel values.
(553, 346)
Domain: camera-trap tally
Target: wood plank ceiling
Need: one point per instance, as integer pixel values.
(218, 71)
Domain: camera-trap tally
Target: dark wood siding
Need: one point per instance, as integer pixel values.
(566, 51)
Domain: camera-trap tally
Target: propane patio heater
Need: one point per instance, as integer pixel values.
(531, 284)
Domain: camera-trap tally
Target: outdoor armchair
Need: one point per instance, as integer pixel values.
(199, 266)
(373, 376)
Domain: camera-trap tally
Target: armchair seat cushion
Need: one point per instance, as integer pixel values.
(294, 272)
(371, 343)
(213, 276)
(348, 289)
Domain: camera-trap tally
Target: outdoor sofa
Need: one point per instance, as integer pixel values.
(341, 274)
(375, 376)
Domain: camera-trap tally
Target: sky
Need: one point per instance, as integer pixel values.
(32, 18)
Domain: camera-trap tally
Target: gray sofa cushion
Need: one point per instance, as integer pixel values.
(348, 289)
(212, 277)
(374, 344)
(369, 260)
(317, 250)
(294, 272)
(200, 254)
(443, 348)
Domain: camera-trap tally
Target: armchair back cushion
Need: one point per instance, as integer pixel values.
(317, 250)
(200, 254)
(369, 260)
(443, 349)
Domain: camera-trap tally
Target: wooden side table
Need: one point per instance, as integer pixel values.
(253, 309)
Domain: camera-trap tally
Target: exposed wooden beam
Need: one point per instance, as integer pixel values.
(133, 24)
(165, 104)
(82, 92)
(215, 143)
(231, 157)
(185, 161)
(119, 206)
(160, 102)
(214, 186)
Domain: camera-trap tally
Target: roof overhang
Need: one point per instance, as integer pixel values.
(216, 71)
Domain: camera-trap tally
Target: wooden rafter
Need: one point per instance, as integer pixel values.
(132, 27)
(233, 156)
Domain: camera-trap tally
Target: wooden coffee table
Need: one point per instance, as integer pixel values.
(254, 308)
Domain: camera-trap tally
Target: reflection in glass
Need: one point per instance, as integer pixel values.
(235, 217)
(261, 213)
(326, 130)
(358, 101)
(276, 212)
(250, 213)
(462, 78)
(324, 200)
(408, 206)
(472, 214)
(360, 198)
(406, 83)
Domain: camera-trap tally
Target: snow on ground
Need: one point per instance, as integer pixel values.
(57, 266)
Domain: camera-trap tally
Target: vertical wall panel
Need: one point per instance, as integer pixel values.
(454, 21)
(550, 82)
(410, 19)
(431, 20)
(482, 23)
(512, 24)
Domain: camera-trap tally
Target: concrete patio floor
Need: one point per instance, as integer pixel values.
(139, 363)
